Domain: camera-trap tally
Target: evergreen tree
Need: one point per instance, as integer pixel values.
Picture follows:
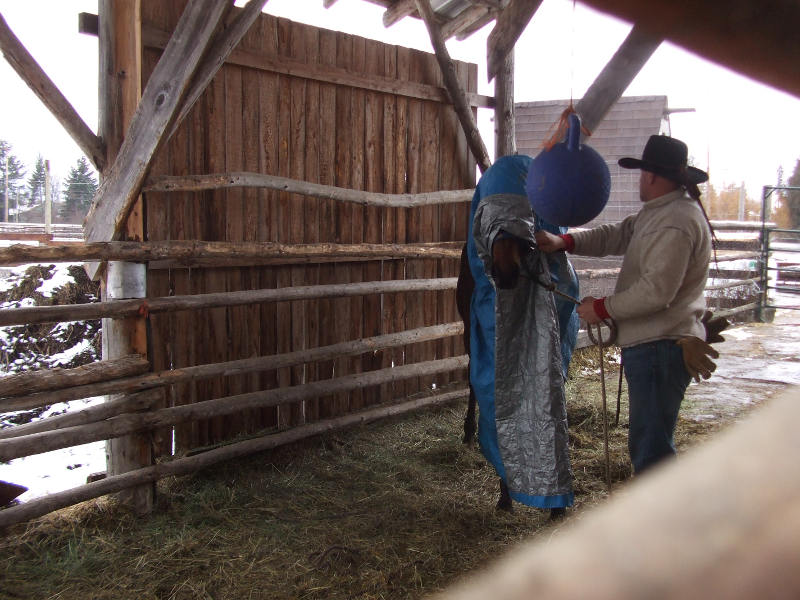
(36, 183)
(16, 172)
(81, 187)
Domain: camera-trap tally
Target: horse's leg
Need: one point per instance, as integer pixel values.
(464, 288)
(469, 419)
(504, 503)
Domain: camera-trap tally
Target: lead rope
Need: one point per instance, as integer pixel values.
(600, 343)
(600, 347)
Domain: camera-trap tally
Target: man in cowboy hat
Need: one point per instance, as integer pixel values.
(658, 303)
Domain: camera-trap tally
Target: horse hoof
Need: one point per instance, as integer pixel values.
(505, 505)
(556, 514)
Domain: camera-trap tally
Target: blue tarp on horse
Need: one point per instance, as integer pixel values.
(520, 345)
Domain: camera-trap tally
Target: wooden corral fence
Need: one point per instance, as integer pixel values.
(37, 232)
(300, 260)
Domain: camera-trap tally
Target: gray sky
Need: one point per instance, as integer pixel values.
(745, 130)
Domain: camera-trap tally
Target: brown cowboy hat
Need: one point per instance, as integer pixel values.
(666, 156)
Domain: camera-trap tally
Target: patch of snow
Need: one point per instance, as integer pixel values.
(59, 470)
(63, 358)
(55, 471)
(59, 278)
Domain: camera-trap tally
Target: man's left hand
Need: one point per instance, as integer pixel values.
(586, 311)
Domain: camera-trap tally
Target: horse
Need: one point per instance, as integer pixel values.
(506, 263)
(507, 256)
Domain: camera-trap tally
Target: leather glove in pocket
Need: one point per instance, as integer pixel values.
(696, 354)
(714, 326)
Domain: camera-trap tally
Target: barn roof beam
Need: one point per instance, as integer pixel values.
(397, 11)
(477, 25)
(509, 26)
(462, 108)
(32, 74)
(159, 103)
(616, 76)
(740, 34)
(464, 19)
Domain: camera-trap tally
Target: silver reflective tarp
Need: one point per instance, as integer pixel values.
(530, 407)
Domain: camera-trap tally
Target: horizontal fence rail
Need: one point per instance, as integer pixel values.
(19, 254)
(236, 367)
(126, 424)
(128, 308)
(216, 181)
(182, 466)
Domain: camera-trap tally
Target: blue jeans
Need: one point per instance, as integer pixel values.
(657, 380)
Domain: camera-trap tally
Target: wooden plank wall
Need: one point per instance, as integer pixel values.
(255, 120)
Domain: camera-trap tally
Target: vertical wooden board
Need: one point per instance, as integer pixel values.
(156, 227)
(429, 224)
(414, 269)
(215, 325)
(251, 276)
(284, 274)
(388, 215)
(468, 179)
(374, 182)
(269, 91)
(327, 209)
(311, 210)
(181, 227)
(297, 149)
(187, 144)
(358, 100)
(449, 167)
(236, 317)
(401, 215)
(343, 215)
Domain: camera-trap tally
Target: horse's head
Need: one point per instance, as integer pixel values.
(507, 253)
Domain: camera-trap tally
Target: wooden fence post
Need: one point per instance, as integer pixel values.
(120, 338)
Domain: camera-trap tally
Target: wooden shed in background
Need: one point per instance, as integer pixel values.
(623, 132)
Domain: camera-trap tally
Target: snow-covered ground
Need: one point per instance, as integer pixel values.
(58, 470)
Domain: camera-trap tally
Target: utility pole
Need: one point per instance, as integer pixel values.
(48, 205)
(741, 202)
(6, 190)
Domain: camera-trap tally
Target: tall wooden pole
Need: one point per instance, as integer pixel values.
(462, 108)
(48, 200)
(504, 130)
(6, 190)
(120, 49)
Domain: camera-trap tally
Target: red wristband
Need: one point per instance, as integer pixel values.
(599, 306)
(569, 241)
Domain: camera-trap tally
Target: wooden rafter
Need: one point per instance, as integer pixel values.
(397, 11)
(477, 25)
(465, 116)
(510, 25)
(159, 103)
(463, 20)
(616, 76)
(33, 75)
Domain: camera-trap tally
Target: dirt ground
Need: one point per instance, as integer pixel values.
(398, 509)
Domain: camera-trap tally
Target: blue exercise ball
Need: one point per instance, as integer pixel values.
(569, 184)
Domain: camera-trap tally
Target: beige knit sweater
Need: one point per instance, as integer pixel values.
(659, 291)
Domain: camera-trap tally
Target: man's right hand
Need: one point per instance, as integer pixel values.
(549, 242)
